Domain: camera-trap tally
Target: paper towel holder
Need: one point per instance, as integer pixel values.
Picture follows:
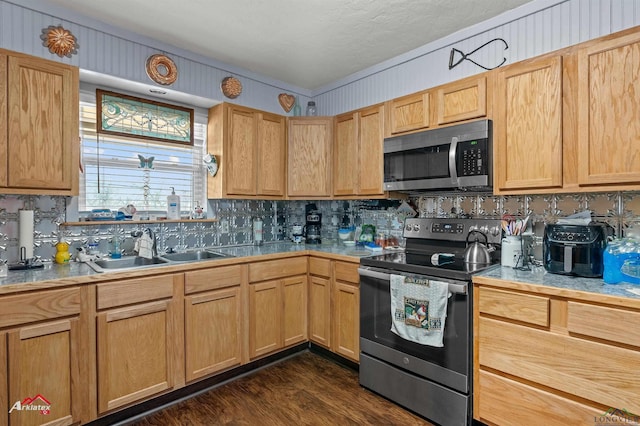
(31, 263)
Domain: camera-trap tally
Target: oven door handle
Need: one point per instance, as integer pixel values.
(453, 288)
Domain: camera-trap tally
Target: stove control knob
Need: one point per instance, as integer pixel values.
(416, 227)
(494, 230)
(484, 229)
(407, 227)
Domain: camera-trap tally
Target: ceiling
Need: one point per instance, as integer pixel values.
(305, 43)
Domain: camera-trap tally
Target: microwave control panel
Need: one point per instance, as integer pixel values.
(472, 157)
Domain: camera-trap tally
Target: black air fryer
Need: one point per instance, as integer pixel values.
(575, 249)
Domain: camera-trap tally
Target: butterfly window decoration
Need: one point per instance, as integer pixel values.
(146, 163)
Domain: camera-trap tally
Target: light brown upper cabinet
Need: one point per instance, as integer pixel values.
(407, 113)
(358, 157)
(39, 117)
(461, 100)
(309, 149)
(609, 111)
(528, 125)
(250, 146)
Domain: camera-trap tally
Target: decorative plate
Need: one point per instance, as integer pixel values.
(231, 87)
(286, 101)
(212, 163)
(59, 41)
(162, 69)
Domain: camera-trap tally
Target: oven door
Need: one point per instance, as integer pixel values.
(448, 365)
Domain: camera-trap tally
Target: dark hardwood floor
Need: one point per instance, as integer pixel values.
(306, 389)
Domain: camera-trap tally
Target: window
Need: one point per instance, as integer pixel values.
(123, 170)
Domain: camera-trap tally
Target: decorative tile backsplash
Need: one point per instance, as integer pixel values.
(235, 218)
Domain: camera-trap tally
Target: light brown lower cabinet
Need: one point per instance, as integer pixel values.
(92, 350)
(277, 305)
(320, 301)
(346, 310)
(544, 358)
(334, 306)
(137, 339)
(214, 320)
(40, 358)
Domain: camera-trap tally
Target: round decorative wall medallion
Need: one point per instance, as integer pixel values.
(162, 69)
(231, 87)
(59, 41)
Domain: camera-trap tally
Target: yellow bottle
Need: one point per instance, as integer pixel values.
(63, 255)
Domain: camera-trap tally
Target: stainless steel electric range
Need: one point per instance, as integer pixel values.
(434, 382)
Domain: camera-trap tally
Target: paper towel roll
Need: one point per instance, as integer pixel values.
(26, 233)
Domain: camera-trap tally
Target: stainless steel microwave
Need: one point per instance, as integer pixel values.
(454, 157)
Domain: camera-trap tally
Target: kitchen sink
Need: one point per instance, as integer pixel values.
(136, 262)
(128, 262)
(192, 256)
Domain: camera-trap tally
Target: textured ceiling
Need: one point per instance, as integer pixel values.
(306, 43)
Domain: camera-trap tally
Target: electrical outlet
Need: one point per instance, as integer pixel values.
(224, 226)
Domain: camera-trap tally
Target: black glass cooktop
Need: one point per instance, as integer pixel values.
(437, 264)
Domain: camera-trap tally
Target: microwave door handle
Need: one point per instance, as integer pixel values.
(568, 258)
(453, 148)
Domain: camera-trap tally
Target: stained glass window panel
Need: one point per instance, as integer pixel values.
(125, 115)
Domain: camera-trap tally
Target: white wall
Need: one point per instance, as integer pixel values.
(535, 28)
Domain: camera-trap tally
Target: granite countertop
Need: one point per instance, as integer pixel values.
(53, 274)
(539, 276)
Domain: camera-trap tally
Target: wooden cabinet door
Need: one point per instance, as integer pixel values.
(294, 297)
(213, 332)
(272, 145)
(528, 125)
(43, 125)
(43, 363)
(241, 151)
(609, 112)
(135, 353)
(320, 310)
(309, 157)
(462, 100)
(345, 155)
(408, 113)
(370, 154)
(265, 318)
(346, 317)
(3, 120)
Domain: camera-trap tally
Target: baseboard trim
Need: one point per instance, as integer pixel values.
(142, 409)
(333, 356)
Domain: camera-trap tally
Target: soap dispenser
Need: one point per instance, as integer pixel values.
(173, 205)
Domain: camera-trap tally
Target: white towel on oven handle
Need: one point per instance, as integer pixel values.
(419, 309)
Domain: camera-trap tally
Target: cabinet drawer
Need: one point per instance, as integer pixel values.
(26, 308)
(211, 279)
(136, 290)
(590, 370)
(273, 269)
(347, 272)
(321, 267)
(603, 322)
(516, 306)
(503, 401)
